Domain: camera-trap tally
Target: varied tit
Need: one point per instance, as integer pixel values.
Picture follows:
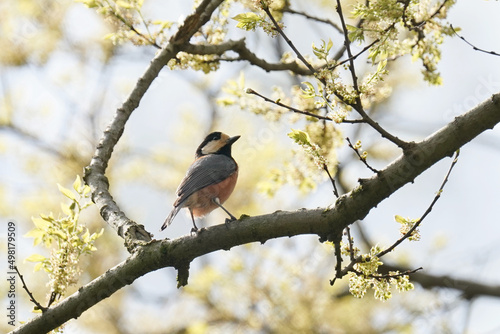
(210, 179)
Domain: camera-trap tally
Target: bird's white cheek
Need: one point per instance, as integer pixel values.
(211, 147)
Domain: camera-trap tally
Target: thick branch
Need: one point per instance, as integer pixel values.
(95, 173)
(355, 205)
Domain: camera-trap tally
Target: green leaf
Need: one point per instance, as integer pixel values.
(36, 234)
(308, 92)
(94, 236)
(163, 24)
(86, 190)
(124, 4)
(381, 66)
(300, 137)
(86, 236)
(40, 223)
(318, 53)
(38, 266)
(247, 21)
(66, 192)
(35, 258)
(355, 33)
(59, 234)
(399, 219)
(88, 3)
(322, 52)
(66, 209)
(49, 218)
(329, 45)
(77, 185)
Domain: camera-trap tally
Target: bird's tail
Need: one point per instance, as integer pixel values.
(170, 217)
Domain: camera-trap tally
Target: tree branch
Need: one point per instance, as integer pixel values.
(279, 104)
(363, 159)
(332, 180)
(266, 9)
(298, 111)
(313, 18)
(469, 288)
(95, 173)
(38, 306)
(424, 215)
(347, 44)
(327, 223)
(475, 48)
(239, 46)
(358, 106)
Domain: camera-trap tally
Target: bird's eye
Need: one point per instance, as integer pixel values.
(215, 136)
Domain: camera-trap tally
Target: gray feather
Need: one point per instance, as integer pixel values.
(170, 217)
(209, 169)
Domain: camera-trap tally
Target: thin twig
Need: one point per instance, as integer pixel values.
(53, 297)
(358, 105)
(278, 103)
(361, 157)
(351, 244)
(353, 121)
(347, 44)
(350, 266)
(429, 209)
(335, 191)
(384, 133)
(287, 40)
(338, 257)
(349, 59)
(436, 12)
(313, 18)
(384, 276)
(32, 298)
(475, 48)
(400, 143)
(152, 42)
(138, 33)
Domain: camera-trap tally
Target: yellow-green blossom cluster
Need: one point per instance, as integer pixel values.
(67, 239)
(365, 277)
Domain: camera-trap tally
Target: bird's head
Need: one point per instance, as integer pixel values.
(216, 143)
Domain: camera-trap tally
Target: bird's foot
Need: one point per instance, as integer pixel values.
(197, 231)
(229, 220)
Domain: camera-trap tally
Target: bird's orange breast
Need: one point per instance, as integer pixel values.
(201, 202)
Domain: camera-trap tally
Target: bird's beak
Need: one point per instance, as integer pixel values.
(231, 140)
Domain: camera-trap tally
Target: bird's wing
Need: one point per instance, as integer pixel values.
(207, 170)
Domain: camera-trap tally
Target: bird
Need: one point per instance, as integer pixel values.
(209, 181)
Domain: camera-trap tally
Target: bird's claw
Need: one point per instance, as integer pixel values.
(197, 231)
(229, 220)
